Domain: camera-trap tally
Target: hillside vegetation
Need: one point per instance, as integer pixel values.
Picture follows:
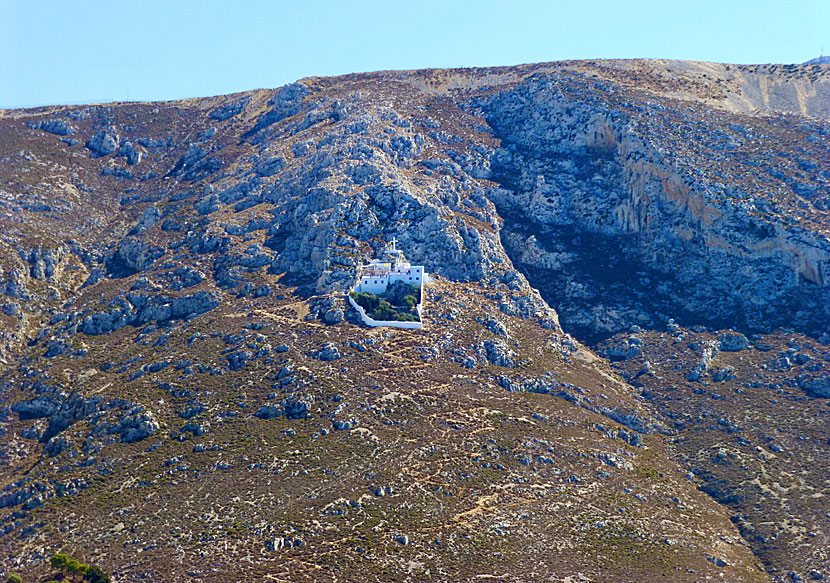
(623, 370)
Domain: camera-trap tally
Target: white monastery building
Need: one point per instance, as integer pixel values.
(376, 276)
(380, 273)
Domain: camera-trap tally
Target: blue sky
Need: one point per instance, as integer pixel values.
(71, 51)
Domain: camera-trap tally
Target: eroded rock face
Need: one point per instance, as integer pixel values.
(498, 353)
(58, 127)
(615, 198)
(139, 308)
(135, 426)
(132, 256)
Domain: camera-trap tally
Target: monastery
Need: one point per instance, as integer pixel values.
(376, 277)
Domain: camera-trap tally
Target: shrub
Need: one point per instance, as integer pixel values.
(385, 312)
(70, 566)
(96, 575)
(14, 578)
(75, 568)
(366, 300)
(59, 561)
(397, 292)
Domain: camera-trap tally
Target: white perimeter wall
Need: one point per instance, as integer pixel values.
(392, 323)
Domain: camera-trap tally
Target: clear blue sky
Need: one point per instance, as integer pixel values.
(70, 51)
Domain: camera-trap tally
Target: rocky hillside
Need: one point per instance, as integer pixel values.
(622, 377)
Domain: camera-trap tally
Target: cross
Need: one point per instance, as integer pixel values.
(394, 242)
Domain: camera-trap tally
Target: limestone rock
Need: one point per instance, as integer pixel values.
(229, 110)
(733, 342)
(103, 143)
(817, 386)
(333, 316)
(54, 126)
(625, 350)
(498, 353)
(327, 353)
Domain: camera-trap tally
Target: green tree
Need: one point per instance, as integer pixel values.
(59, 561)
(366, 300)
(96, 575)
(14, 578)
(385, 312)
(75, 568)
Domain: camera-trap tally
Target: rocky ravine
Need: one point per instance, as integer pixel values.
(173, 326)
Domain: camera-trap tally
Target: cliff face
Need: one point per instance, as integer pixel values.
(697, 199)
(174, 329)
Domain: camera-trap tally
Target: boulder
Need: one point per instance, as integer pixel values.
(131, 153)
(191, 412)
(344, 425)
(733, 342)
(626, 349)
(723, 374)
(295, 409)
(103, 143)
(710, 350)
(194, 427)
(333, 316)
(268, 412)
(238, 360)
(817, 386)
(327, 353)
(135, 426)
(36, 408)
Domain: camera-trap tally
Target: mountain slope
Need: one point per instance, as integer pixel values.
(186, 394)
